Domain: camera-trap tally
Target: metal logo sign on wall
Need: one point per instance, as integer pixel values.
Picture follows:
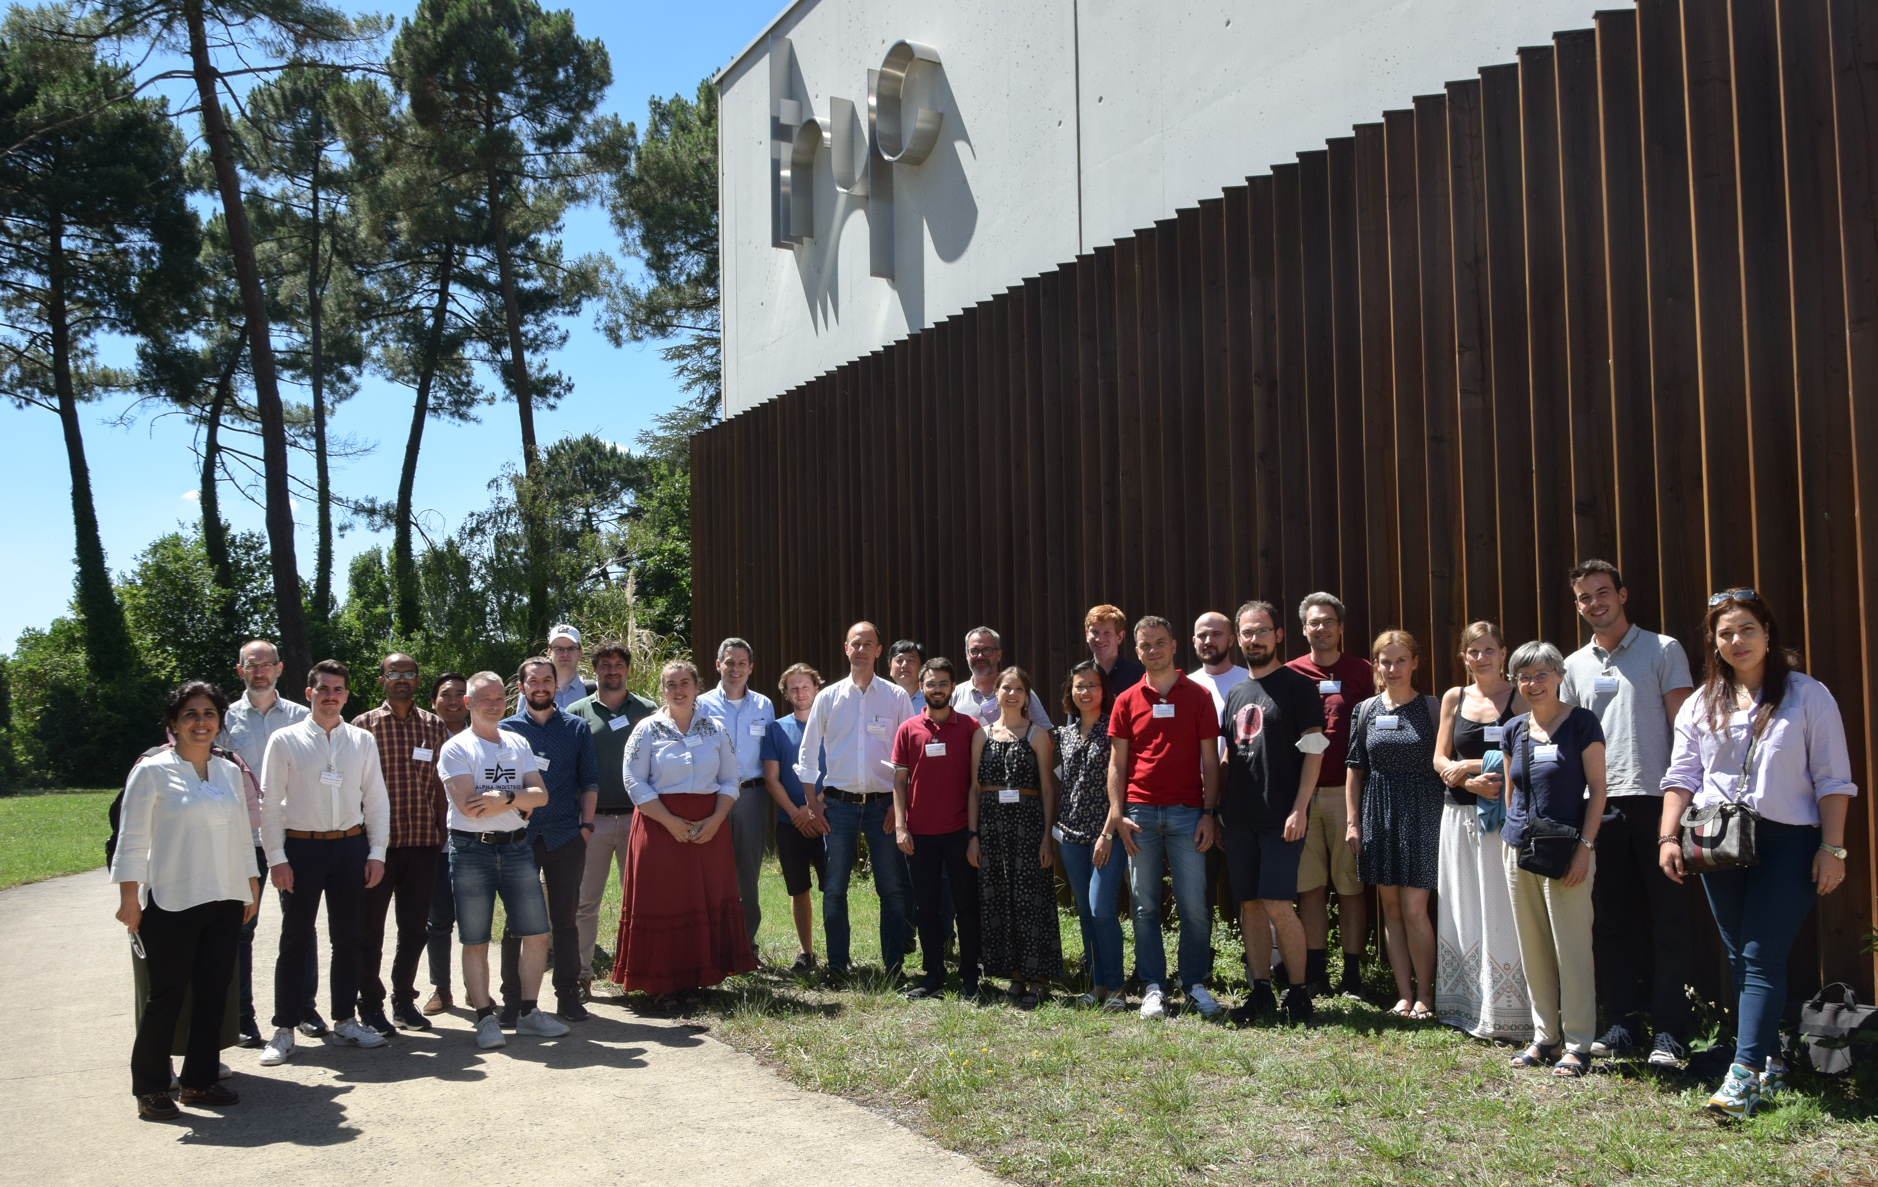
(862, 158)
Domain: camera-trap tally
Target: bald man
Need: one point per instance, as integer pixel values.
(1212, 646)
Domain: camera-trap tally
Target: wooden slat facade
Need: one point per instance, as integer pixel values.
(1618, 298)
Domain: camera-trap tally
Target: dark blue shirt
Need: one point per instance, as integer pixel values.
(1554, 787)
(564, 748)
(782, 742)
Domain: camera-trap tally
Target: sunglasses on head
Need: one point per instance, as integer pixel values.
(1739, 595)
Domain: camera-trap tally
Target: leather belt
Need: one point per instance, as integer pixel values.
(1018, 790)
(302, 835)
(752, 783)
(841, 796)
(508, 838)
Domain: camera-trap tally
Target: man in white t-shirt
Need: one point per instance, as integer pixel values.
(493, 780)
(1212, 646)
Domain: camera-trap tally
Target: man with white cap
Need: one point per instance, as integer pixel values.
(564, 650)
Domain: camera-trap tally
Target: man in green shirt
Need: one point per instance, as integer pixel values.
(610, 712)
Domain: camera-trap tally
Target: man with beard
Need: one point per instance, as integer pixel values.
(610, 713)
(1274, 725)
(447, 701)
(984, 654)
(557, 831)
(408, 741)
(1212, 646)
(935, 817)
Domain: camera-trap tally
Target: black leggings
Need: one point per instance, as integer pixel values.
(188, 951)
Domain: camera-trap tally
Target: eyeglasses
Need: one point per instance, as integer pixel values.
(259, 666)
(1739, 595)
(400, 674)
(1264, 632)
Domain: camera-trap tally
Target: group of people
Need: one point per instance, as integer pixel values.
(1540, 804)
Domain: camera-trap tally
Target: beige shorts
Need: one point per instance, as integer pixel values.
(1324, 841)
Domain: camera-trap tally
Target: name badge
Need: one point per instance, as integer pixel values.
(935, 750)
(1327, 687)
(1495, 732)
(1163, 710)
(331, 778)
(693, 741)
(209, 789)
(541, 763)
(756, 730)
(1388, 721)
(421, 754)
(1546, 753)
(878, 726)
(618, 723)
(1604, 684)
(1008, 795)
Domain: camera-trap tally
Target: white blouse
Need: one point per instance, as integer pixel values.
(184, 839)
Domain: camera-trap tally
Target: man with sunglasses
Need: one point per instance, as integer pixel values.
(1634, 680)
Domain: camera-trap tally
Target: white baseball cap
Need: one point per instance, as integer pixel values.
(564, 631)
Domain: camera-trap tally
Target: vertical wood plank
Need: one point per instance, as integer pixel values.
(1435, 247)
(1384, 602)
(1347, 360)
(1290, 439)
(1473, 357)
(1549, 445)
(1408, 396)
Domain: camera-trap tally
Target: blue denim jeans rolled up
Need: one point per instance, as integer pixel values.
(847, 824)
(1759, 911)
(1167, 832)
(1097, 888)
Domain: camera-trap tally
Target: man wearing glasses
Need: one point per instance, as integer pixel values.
(984, 654)
(564, 650)
(408, 741)
(1634, 680)
(251, 721)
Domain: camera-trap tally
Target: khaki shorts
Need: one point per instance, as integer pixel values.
(1324, 835)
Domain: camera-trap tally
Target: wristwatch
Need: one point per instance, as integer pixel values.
(586, 826)
(1837, 851)
(511, 795)
(1214, 812)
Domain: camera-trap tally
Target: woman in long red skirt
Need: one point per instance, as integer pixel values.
(681, 924)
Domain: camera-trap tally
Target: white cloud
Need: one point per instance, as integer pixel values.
(192, 496)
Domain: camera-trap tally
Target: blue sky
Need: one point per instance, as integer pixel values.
(144, 476)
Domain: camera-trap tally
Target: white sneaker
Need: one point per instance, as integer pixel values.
(545, 1026)
(489, 1033)
(1202, 1000)
(1151, 1004)
(223, 1071)
(278, 1048)
(350, 1030)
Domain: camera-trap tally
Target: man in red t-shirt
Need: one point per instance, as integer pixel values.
(936, 825)
(1163, 798)
(1343, 681)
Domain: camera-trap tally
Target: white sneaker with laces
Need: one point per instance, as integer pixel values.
(489, 1033)
(351, 1030)
(545, 1026)
(1151, 1004)
(278, 1048)
(1202, 1000)
(223, 1071)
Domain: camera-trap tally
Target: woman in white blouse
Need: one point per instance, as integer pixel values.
(187, 882)
(681, 922)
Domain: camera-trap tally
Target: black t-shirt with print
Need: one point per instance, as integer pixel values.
(1263, 720)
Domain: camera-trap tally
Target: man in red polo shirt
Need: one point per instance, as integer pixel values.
(936, 825)
(1163, 797)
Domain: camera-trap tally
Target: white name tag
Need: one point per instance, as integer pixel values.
(1546, 753)
(209, 789)
(1007, 795)
(618, 723)
(693, 741)
(1495, 732)
(1327, 687)
(331, 778)
(935, 750)
(878, 726)
(1163, 710)
(421, 754)
(1388, 721)
(756, 730)
(541, 764)
(1604, 684)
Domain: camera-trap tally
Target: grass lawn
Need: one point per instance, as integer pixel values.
(50, 834)
(1064, 1095)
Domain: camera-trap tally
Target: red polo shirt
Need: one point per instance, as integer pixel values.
(937, 758)
(1164, 735)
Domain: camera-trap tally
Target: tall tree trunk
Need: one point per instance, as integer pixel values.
(214, 530)
(410, 609)
(322, 482)
(518, 367)
(107, 638)
(293, 641)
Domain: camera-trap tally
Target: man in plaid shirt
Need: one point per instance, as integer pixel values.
(408, 741)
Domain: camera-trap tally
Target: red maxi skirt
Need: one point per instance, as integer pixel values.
(681, 924)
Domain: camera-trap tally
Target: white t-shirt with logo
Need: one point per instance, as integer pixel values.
(495, 766)
(1219, 686)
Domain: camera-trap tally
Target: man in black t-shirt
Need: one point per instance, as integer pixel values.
(1273, 724)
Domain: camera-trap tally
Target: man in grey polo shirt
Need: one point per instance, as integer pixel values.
(1634, 680)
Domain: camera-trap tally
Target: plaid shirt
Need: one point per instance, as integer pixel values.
(418, 801)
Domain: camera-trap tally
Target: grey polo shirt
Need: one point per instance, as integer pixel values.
(1625, 687)
(246, 729)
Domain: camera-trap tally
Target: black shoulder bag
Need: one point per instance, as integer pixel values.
(1548, 847)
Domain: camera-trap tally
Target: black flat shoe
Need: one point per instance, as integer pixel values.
(248, 1034)
(312, 1025)
(157, 1106)
(214, 1094)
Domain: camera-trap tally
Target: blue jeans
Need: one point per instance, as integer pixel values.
(847, 824)
(1168, 831)
(479, 872)
(1759, 911)
(1097, 890)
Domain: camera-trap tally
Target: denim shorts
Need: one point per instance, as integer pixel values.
(479, 872)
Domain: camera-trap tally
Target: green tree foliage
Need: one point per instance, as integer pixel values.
(174, 603)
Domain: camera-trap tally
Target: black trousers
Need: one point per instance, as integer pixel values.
(335, 871)
(442, 922)
(192, 950)
(1640, 925)
(410, 874)
(938, 863)
(561, 870)
(244, 951)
